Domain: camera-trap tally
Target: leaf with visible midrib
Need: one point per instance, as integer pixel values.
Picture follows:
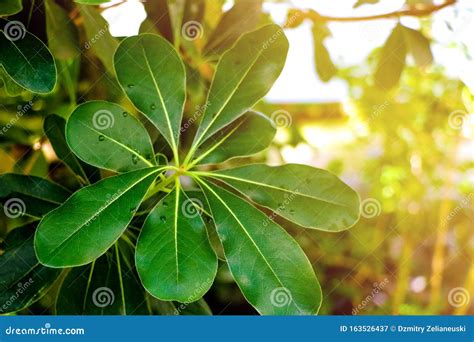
(242, 17)
(92, 219)
(20, 269)
(103, 134)
(99, 38)
(33, 196)
(152, 75)
(247, 136)
(174, 258)
(55, 129)
(308, 196)
(28, 61)
(244, 74)
(269, 266)
(108, 286)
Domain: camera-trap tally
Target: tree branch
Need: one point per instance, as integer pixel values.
(412, 11)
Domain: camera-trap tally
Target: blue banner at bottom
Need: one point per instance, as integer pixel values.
(237, 328)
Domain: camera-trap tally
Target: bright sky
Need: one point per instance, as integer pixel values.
(350, 45)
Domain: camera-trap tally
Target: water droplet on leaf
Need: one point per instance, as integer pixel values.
(101, 138)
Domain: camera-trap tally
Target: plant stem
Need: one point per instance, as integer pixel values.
(412, 11)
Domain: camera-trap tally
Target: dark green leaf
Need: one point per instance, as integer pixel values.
(197, 308)
(28, 195)
(249, 135)
(108, 286)
(10, 7)
(91, 220)
(243, 17)
(63, 37)
(392, 60)
(174, 258)
(22, 279)
(99, 37)
(418, 46)
(55, 129)
(308, 196)
(26, 59)
(268, 265)
(11, 88)
(152, 75)
(103, 134)
(243, 76)
(206, 215)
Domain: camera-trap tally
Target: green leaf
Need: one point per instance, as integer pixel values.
(108, 286)
(268, 265)
(243, 76)
(152, 75)
(55, 129)
(26, 59)
(91, 2)
(91, 220)
(418, 46)
(103, 134)
(158, 19)
(99, 37)
(308, 196)
(392, 60)
(248, 135)
(174, 258)
(29, 195)
(197, 308)
(206, 215)
(11, 88)
(241, 18)
(10, 7)
(22, 279)
(324, 65)
(63, 37)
